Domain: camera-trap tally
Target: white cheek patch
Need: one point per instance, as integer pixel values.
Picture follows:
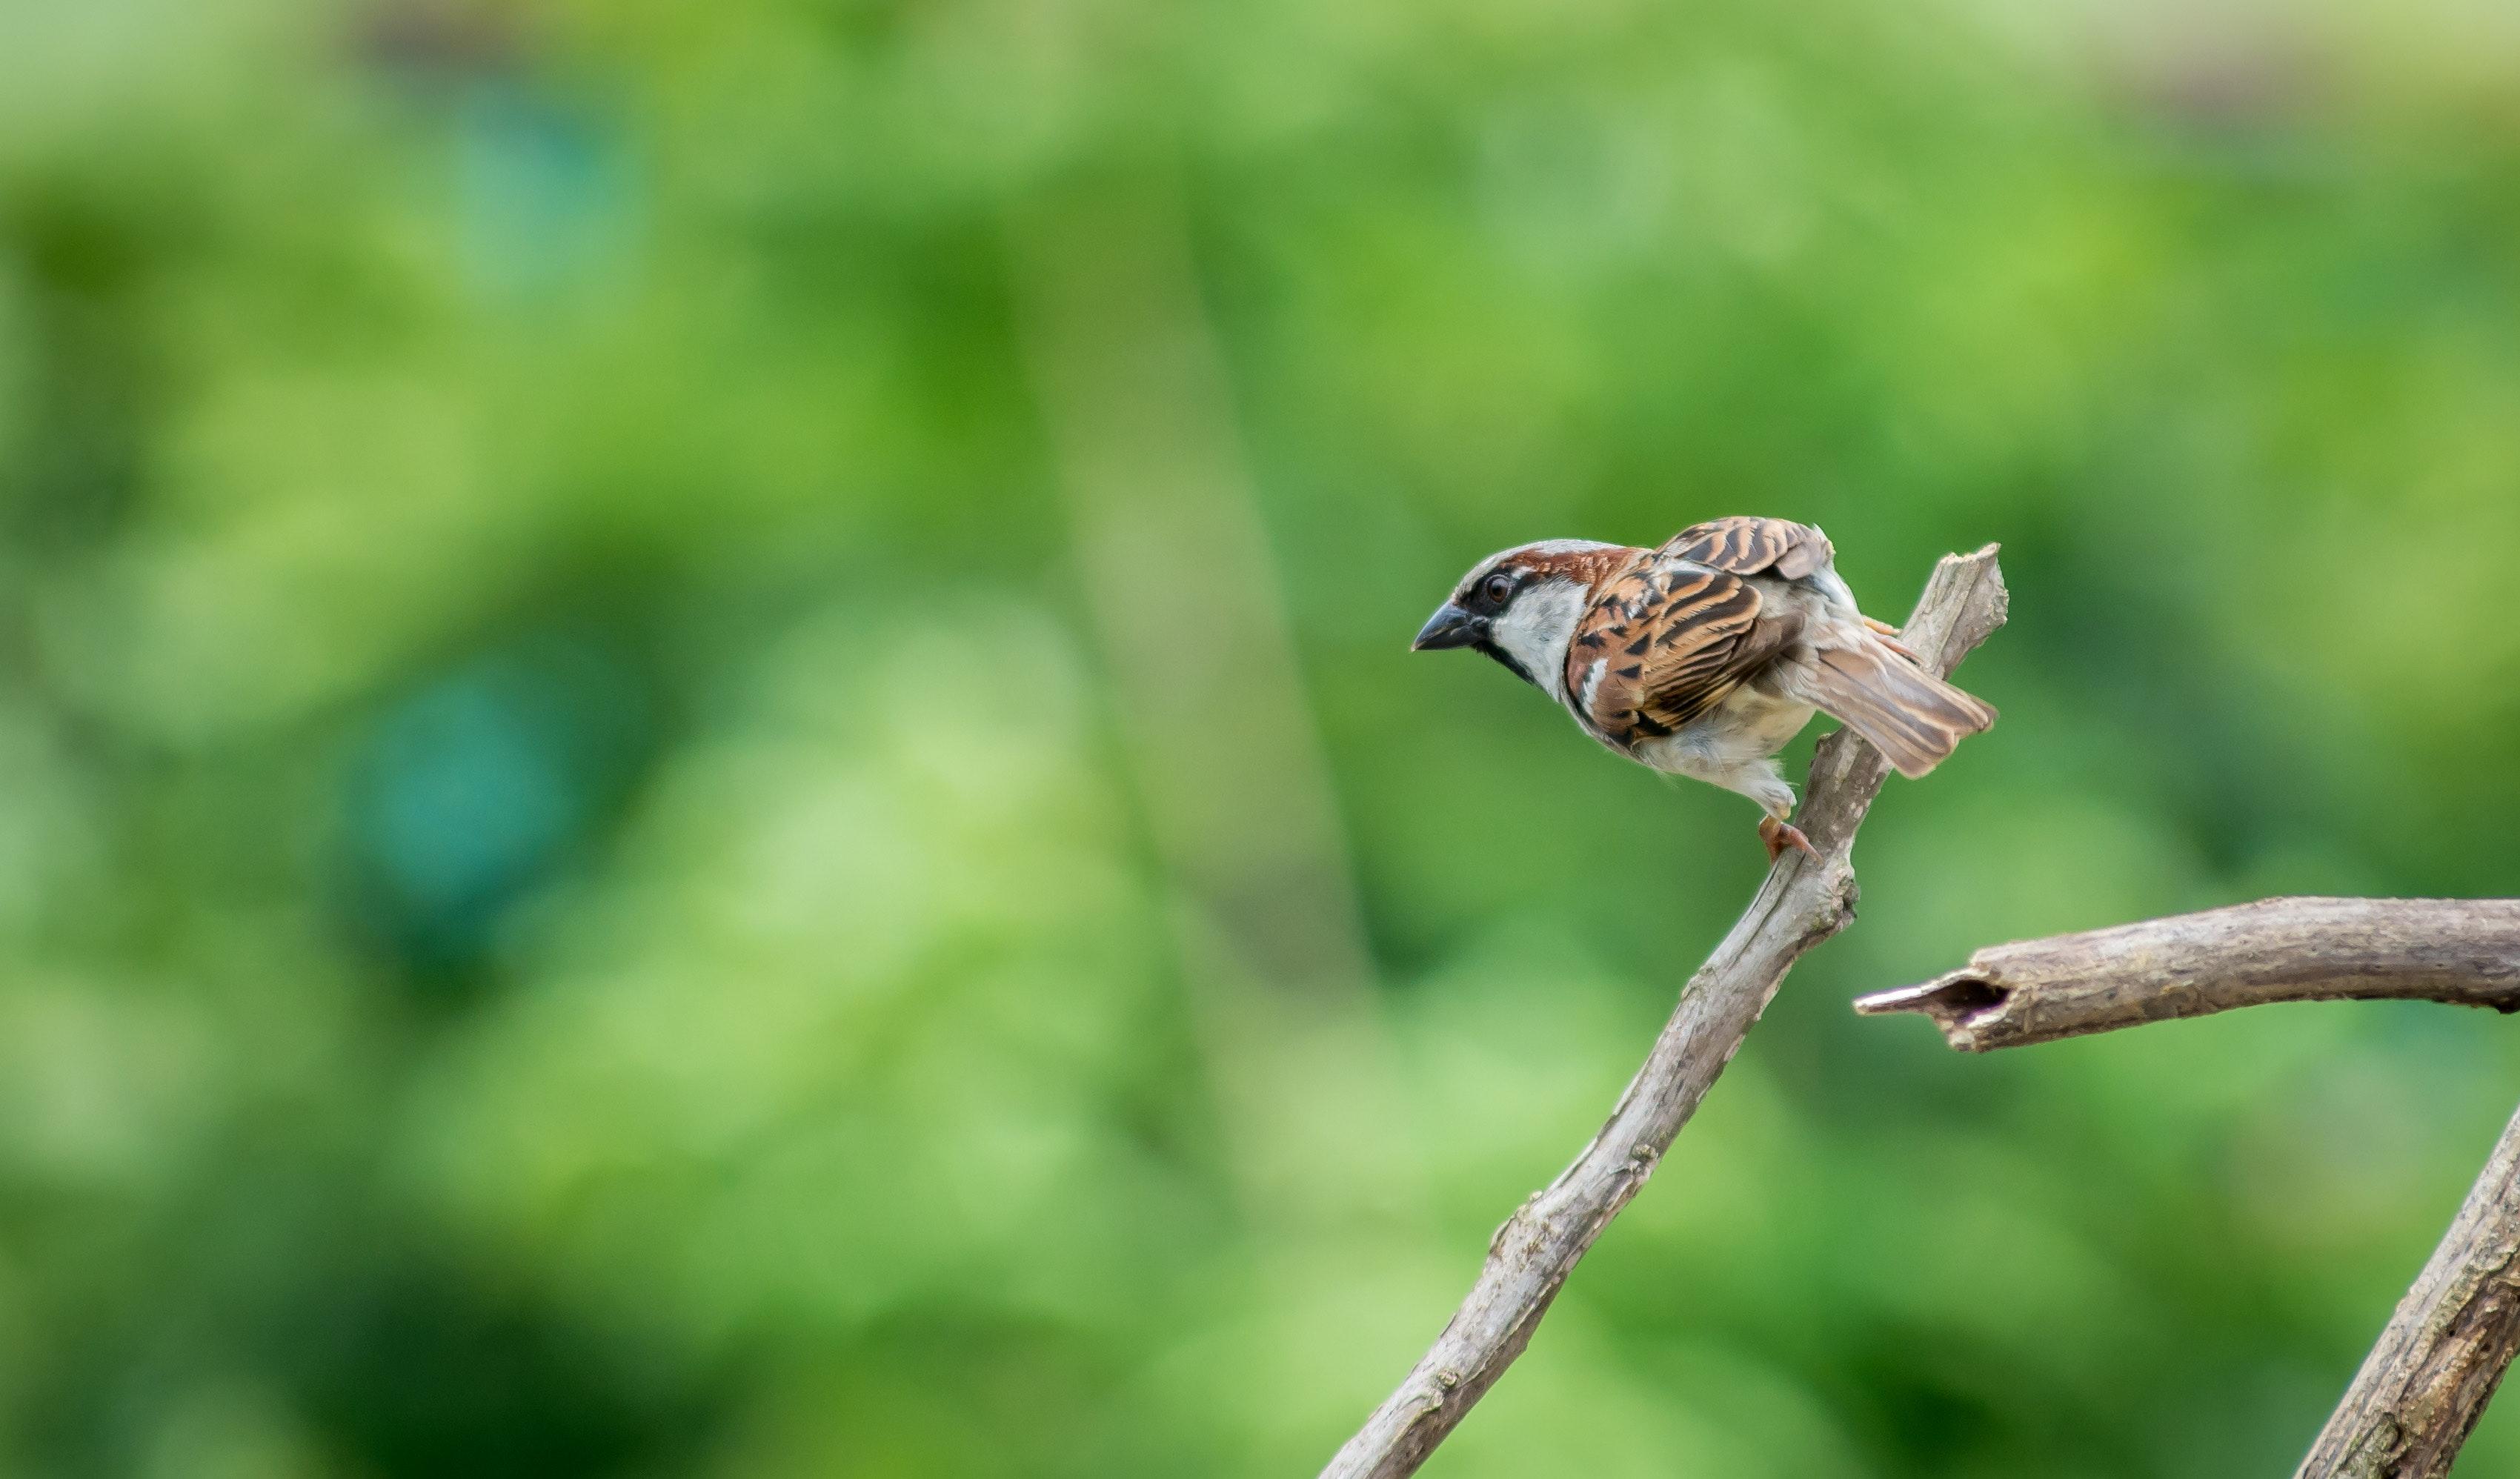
(1537, 628)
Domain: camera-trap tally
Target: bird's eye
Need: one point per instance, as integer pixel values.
(1498, 587)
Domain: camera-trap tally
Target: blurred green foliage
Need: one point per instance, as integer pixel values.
(581, 892)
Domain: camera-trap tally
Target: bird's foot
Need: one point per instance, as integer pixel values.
(1779, 835)
(1889, 635)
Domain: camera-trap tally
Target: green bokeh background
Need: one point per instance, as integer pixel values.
(707, 764)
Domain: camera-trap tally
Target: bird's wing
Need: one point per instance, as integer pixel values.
(1746, 546)
(1665, 642)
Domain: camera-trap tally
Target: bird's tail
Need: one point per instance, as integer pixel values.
(1912, 717)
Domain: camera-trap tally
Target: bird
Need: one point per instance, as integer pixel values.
(1705, 656)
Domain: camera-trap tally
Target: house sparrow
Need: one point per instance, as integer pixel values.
(1705, 656)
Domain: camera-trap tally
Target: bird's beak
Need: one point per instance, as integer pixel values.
(1448, 627)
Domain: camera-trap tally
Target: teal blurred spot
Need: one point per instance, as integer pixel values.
(471, 791)
(547, 188)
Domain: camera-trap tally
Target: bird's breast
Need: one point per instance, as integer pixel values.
(1748, 725)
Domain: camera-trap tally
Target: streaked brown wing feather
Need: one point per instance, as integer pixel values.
(1748, 546)
(1675, 637)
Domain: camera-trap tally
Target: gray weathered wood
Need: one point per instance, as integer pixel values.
(2037, 991)
(2427, 1382)
(1803, 902)
(2465, 951)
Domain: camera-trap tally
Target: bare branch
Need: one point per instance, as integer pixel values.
(2464, 951)
(1803, 902)
(2424, 1385)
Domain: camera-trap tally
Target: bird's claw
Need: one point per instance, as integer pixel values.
(1779, 835)
(1889, 635)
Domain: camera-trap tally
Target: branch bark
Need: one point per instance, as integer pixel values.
(1803, 902)
(2422, 1388)
(2464, 951)
(2427, 1382)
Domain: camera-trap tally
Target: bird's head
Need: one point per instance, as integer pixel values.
(1520, 607)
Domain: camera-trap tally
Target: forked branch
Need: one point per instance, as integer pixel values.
(1804, 901)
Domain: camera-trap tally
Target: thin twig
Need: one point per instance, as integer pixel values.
(2427, 1382)
(1803, 902)
(2464, 951)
